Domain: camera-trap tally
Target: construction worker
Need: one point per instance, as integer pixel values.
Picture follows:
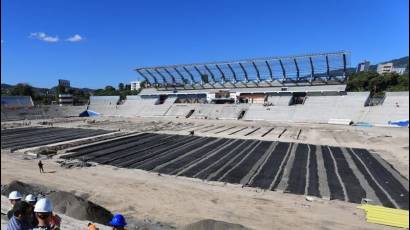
(118, 222)
(92, 226)
(31, 200)
(40, 166)
(14, 197)
(19, 219)
(44, 215)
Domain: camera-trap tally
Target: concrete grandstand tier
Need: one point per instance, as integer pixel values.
(105, 105)
(16, 101)
(40, 112)
(280, 100)
(224, 111)
(154, 108)
(180, 110)
(395, 107)
(104, 100)
(318, 109)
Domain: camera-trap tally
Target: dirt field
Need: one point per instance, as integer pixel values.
(180, 201)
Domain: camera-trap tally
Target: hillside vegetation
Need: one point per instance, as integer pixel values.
(377, 83)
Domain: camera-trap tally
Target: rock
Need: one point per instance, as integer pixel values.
(309, 198)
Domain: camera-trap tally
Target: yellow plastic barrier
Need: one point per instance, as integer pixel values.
(386, 216)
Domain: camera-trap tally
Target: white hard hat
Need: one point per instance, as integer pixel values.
(15, 195)
(30, 198)
(43, 205)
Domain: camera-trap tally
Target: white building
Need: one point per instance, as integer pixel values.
(135, 85)
(385, 68)
(65, 99)
(399, 70)
(363, 66)
(389, 68)
(65, 83)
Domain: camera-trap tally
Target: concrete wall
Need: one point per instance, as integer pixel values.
(43, 112)
(395, 107)
(317, 109)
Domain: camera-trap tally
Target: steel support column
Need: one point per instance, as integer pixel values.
(181, 76)
(190, 75)
(258, 76)
(270, 71)
(233, 72)
(297, 69)
(145, 77)
(283, 70)
(312, 69)
(161, 75)
(344, 65)
(327, 68)
(172, 76)
(210, 72)
(221, 72)
(200, 74)
(244, 71)
(152, 75)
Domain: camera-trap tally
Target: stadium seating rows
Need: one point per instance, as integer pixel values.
(316, 109)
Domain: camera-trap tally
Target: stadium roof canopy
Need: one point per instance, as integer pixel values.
(322, 68)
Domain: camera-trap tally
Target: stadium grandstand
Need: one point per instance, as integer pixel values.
(305, 88)
(16, 102)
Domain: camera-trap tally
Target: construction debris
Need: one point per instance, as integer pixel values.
(74, 164)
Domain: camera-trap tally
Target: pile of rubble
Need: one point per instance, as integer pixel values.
(74, 164)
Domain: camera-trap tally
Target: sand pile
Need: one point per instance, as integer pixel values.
(79, 208)
(63, 202)
(209, 224)
(23, 188)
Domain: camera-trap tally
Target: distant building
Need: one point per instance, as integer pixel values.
(363, 66)
(399, 70)
(389, 68)
(65, 83)
(135, 85)
(65, 99)
(385, 68)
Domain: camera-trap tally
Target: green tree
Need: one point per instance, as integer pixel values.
(377, 83)
(107, 91)
(22, 90)
(110, 91)
(121, 86)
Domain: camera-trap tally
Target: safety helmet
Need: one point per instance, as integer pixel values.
(118, 221)
(15, 195)
(31, 198)
(43, 205)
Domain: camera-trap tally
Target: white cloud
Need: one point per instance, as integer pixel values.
(75, 38)
(44, 37)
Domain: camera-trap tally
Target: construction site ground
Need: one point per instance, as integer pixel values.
(180, 201)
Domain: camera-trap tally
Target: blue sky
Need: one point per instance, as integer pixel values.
(95, 43)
